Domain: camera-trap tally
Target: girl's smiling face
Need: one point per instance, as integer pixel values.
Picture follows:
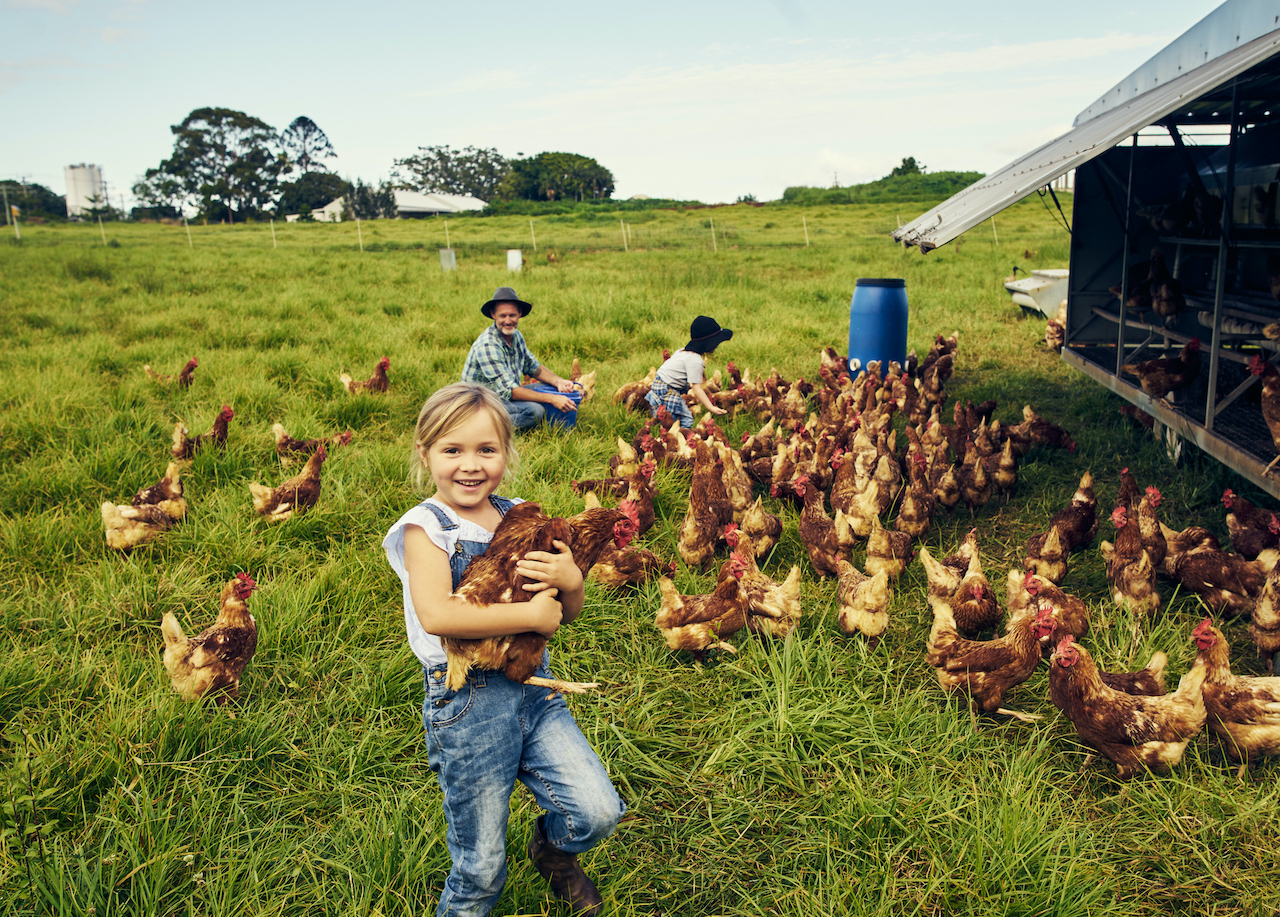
(467, 464)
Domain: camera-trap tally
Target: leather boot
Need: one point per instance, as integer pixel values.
(568, 881)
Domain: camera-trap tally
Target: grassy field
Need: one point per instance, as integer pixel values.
(798, 777)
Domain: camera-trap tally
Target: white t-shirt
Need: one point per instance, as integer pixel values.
(427, 646)
(683, 369)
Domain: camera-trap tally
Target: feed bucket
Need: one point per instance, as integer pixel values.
(878, 321)
(560, 418)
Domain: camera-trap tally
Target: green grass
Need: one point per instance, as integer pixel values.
(802, 776)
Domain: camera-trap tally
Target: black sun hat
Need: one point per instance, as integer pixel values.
(505, 294)
(705, 335)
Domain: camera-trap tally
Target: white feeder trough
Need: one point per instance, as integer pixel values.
(515, 260)
(1040, 291)
(448, 262)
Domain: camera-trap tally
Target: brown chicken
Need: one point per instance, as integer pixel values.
(183, 379)
(1244, 711)
(983, 669)
(632, 565)
(376, 383)
(214, 659)
(1227, 582)
(1191, 538)
(1135, 732)
(1270, 401)
(772, 608)
(709, 508)
(185, 445)
(155, 509)
(291, 450)
(1264, 624)
(887, 551)
(1067, 614)
(1166, 291)
(698, 623)
(1163, 375)
(965, 589)
(863, 601)
(1148, 682)
(295, 495)
(817, 530)
(492, 579)
(1129, 569)
(762, 527)
(1252, 528)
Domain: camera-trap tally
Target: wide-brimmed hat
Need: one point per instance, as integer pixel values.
(505, 294)
(705, 335)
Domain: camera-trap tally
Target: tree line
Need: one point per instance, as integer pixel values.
(227, 165)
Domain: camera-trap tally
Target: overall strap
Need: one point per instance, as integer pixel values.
(501, 504)
(445, 522)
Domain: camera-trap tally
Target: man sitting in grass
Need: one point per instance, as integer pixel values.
(499, 360)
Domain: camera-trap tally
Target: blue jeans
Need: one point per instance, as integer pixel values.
(480, 741)
(525, 414)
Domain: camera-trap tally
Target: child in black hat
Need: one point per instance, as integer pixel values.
(684, 372)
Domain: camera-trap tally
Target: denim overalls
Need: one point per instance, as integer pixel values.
(484, 737)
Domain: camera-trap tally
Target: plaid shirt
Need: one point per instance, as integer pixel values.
(498, 366)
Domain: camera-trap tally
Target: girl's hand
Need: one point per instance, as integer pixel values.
(551, 571)
(547, 611)
(715, 410)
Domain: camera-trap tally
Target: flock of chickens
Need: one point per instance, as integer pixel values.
(844, 454)
(834, 443)
(214, 659)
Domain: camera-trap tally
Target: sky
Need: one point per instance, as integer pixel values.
(693, 101)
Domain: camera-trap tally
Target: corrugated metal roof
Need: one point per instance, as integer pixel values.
(1090, 138)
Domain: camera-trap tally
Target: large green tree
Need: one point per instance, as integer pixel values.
(33, 200)
(311, 191)
(226, 161)
(307, 145)
(469, 170)
(556, 176)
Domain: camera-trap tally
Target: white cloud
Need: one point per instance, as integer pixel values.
(14, 72)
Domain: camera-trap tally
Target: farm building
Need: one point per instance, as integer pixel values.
(84, 189)
(1154, 159)
(409, 205)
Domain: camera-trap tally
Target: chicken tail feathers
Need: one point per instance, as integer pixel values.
(172, 631)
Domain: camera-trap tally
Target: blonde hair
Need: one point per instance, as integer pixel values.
(449, 408)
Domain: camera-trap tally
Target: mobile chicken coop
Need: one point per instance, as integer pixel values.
(1155, 158)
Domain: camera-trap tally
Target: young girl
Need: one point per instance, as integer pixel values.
(683, 372)
(493, 731)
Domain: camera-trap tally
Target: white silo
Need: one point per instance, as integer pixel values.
(84, 188)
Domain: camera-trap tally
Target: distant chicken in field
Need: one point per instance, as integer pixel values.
(1135, 732)
(1072, 527)
(183, 379)
(214, 659)
(709, 508)
(863, 602)
(185, 445)
(154, 510)
(376, 383)
(1252, 528)
(1244, 711)
(1160, 376)
(762, 527)
(585, 381)
(632, 394)
(773, 608)
(298, 494)
(1227, 582)
(291, 450)
(699, 623)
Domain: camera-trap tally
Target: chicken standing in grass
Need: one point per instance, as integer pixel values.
(378, 382)
(155, 509)
(295, 495)
(214, 659)
(186, 446)
(183, 379)
(1243, 711)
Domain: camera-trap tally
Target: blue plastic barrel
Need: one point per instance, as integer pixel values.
(878, 321)
(555, 416)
